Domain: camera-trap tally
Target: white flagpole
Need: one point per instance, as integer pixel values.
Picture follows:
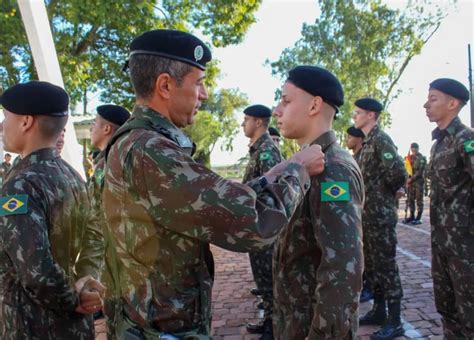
(38, 30)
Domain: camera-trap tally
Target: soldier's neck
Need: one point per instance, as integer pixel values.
(259, 133)
(370, 125)
(316, 128)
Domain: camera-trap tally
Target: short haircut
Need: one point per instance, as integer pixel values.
(51, 127)
(265, 120)
(145, 69)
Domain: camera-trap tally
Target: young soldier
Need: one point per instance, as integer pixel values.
(416, 184)
(354, 142)
(318, 258)
(384, 174)
(50, 248)
(451, 171)
(264, 155)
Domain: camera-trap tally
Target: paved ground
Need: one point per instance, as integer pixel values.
(234, 305)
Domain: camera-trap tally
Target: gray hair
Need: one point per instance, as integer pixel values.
(145, 69)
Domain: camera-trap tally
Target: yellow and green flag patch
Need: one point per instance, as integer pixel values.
(13, 205)
(335, 191)
(469, 145)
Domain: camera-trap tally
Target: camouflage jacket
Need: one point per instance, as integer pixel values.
(163, 209)
(357, 156)
(48, 241)
(384, 173)
(418, 162)
(451, 172)
(264, 155)
(318, 260)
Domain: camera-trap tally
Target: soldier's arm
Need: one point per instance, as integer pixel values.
(339, 234)
(90, 261)
(186, 197)
(394, 173)
(25, 241)
(268, 159)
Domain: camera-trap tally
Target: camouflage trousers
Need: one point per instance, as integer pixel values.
(261, 263)
(415, 193)
(453, 279)
(380, 247)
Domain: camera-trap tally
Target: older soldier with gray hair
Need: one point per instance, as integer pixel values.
(451, 171)
(163, 209)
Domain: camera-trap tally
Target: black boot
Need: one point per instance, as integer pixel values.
(366, 294)
(409, 219)
(267, 330)
(417, 220)
(377, 315)
(255, 328)
(393, 327)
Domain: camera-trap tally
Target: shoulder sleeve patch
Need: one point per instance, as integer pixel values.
(13, 205)
(388, 155)
(335, 192)
(469, 145)
(265, 156)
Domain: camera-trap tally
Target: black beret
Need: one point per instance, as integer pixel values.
(174, 45)
(273, 132)
(414, 146)
(36, 98)
(353, 131)
(369, 104)
(259, 111)
(451, 87)
(318, 82)
(113, 113)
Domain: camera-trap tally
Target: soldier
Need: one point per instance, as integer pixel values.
(163, 209)
(264, 155)
(109, 118)
(49, 249)
(384, 174)
(5, 167)
(275, 135)
(416, 184)
(355, 138)
(60, 142)
(451, 170)
(318, 259)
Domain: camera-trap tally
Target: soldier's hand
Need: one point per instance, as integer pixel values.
(312, 158)
(90, 302)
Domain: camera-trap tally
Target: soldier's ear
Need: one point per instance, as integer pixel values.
(163, 85)
(316, 105)
(27, 122)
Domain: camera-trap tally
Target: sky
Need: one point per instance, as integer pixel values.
(279, 25)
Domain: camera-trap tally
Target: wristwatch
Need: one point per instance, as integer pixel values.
(262, 181)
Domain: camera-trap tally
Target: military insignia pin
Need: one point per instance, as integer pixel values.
(198, 53)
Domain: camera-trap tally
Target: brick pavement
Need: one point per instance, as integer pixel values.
(233, 304)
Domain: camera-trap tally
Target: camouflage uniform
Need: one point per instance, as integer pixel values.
(264, 155)
(318, 260)
(4, 170)
(163, 209)
(417, 186)
(384, 173)
(48, 242)
(451, 171)
(357, 156)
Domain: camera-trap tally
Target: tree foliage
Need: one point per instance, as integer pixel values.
(92, 38)
(216, 120)
(366, 43)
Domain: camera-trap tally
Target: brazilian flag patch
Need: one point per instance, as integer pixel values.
(13, 205)
(387, 155)
(265, 156)
(469, 145)
(335, 192)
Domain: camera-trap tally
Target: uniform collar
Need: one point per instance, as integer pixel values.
(258, 143)
(325, 140)
(375, 130)
(161, 124)
(36, 157)
(453, 126)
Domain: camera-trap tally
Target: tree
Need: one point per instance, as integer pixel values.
(367, 44)
(216, 120)
(92, 38)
